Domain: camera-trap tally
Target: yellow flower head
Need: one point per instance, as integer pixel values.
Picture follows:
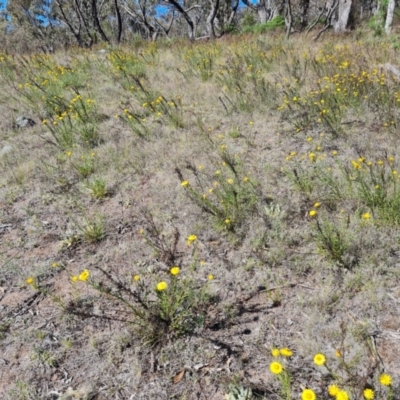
(366, 216)
(74, 278)
(319, 359)
(84, 275)
(317, 204)
(368, 394)
(210, 277)
(30, 281)
(355, 164)
(136, 278)
(230, 181)
(54, 265)
(275, 352)
(276, 368)
(313, 213)
(342, 395)
(333, 390)
(184, 183)
(191, 239)
(308, 394)
(175, 271)
(161, 286)
(385, 380)
(285, 352)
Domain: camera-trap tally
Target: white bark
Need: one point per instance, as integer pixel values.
(389, 16)
(343, 15)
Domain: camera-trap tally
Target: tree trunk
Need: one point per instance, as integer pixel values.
(288, 19)
(389, 16)
(185, 15)
(344, 10)
(276, 8)
(96, 22)
(119, 21)
(211, 18)
(304, 4)
(262, 12)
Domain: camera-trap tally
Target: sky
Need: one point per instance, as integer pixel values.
(161, 9)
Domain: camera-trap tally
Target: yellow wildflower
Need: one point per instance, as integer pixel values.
(342, 395)
(313, 213)
(136, 278)
(385, 380)
(308, 394)
(54, 265)
(368, 394)
(285, 352)
(230, 181)
(84, 275)
(175, 271)
(210, 277)
(74, 278)
(275, 352)
(161, 286)
(333, 390)
(319, 359)
(317, 204)
(366, 216)
(355, 164)
(184, 183)
(191, 239)
(276, 368)
(30, 281)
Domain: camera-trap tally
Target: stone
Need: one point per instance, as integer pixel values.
(24, 122)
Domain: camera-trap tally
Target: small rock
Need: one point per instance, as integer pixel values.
(24, 122)
(5, 150)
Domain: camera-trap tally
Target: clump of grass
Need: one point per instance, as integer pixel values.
(228, 196)
(97, 188)
(93, 231)
(200, 61)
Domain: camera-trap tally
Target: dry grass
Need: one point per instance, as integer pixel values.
(96, 184)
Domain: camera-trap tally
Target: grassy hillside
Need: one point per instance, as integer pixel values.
(201, 221)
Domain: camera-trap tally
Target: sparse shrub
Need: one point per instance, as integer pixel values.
(228, 196)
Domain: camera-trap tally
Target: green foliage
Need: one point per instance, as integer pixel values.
(200, 61)
(97, 188)
(249, 19)
(334, 240)
(276, 23)
(228, 196)
(92, 231)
